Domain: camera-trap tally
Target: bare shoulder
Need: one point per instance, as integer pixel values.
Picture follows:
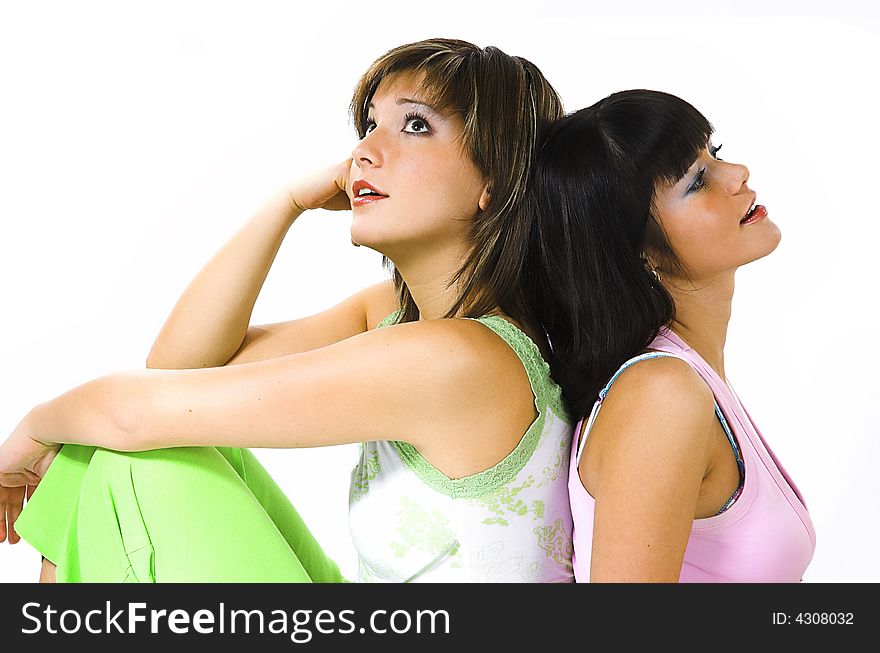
(469, 368)
(473, 391)
(460, 346)
(655, 425)
(664, 384)
(654, 403)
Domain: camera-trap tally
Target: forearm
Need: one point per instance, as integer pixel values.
(210, 319)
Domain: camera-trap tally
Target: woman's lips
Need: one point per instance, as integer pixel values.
(363, 200)
(755, 215)
(365, 193)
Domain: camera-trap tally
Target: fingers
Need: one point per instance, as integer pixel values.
(339, 202)
(42, 466)
(341, 177)
(18, 479)
(11, 499)
(343, 174)
(30, 478)
(325, 189)
(12, 513)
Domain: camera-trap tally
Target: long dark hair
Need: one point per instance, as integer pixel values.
(507, 107)
(592, 199)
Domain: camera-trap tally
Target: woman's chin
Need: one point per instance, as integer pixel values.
(359, 238)
(769, 242)
(773, 238)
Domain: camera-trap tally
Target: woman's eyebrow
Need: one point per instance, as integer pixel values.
(406, 100)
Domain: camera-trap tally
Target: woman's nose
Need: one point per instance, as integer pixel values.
(738, 175)
(368, 151)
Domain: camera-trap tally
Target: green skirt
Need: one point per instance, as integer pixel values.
(190, 514)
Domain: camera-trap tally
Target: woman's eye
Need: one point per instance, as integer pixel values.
(699, 182)
(416, 125)
(714, 151)
(371, 125)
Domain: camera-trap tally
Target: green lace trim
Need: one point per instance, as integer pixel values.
(546, 394)
(536, 367)
(389, 319)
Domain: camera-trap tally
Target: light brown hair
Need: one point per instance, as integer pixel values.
(506, 105)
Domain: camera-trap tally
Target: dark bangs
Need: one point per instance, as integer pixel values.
(661, 134)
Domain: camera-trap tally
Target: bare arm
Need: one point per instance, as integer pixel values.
(360, 312)
(437, 384)
(210, 320)
(647, 454)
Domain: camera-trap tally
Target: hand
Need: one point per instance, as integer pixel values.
(23, 459)
(23, 462)
(11, 505)
(327, 189)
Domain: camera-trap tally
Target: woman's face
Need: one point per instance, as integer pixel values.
(412, 186)
(708, 220)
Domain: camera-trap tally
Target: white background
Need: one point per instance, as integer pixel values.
(135, 138)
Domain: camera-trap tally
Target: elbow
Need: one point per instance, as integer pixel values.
(156, 360)
(129, 435)
(161, 359)
(126, 434)
(128, 419)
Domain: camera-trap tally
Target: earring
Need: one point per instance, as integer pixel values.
(650, 268)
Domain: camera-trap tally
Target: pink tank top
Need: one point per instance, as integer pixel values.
(764, 536)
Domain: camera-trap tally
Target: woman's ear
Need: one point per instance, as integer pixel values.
(485, 196)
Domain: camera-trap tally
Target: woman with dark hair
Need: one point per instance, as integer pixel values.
(640, 229)
(462, 468)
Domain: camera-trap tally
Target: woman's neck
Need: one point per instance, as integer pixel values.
(427, 279)
(702, 314)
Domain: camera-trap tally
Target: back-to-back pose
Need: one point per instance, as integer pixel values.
(641, 230)
(465, 438)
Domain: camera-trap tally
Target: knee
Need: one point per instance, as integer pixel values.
(174, 462)
(158, 456)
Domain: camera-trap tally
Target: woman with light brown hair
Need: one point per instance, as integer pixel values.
(440, 373)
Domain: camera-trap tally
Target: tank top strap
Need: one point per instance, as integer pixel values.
(634, 360)
(389, 319)
(604, 391)
(718, 413)
(546, 391)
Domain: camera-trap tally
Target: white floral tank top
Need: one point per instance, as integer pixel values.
(510, 523)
